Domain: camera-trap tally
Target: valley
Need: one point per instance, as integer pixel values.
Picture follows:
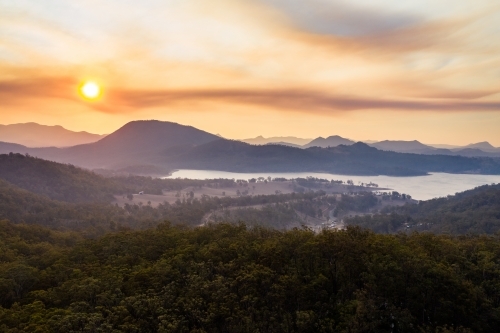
(268, 166)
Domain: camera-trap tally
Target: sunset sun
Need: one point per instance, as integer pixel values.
(90, 90)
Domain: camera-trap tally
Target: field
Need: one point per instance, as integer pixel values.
(259, 188)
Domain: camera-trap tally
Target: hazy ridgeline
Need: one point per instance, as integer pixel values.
(155, 148)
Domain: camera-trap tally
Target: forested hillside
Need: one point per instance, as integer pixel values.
(95, 219)
(475, 211)
(56, 181)
(65, 182)
(227, 278)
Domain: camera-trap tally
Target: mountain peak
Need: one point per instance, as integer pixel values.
(36, 135)
(483, 144)
(331, 141)
(401, 145)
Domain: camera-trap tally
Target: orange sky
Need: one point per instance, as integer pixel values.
(382, 69)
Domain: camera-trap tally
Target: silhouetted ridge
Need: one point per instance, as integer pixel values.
(331, 141)
(173, 146)
(147, 134)
(36, 135)
(135, 143)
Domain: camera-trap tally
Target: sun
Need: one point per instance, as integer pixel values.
(90, 90)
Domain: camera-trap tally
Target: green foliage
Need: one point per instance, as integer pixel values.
(228, 278)
(56, 181)
(361, 202)
(65, 182)
(18, 205)
(475, 211)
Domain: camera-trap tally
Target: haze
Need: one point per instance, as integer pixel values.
(384, 69)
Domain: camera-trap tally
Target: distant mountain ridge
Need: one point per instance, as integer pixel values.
(484, 146)
(400, 146)
(480, 149)
(260, 140)
(155, 144)
(331, 141)
(36, 135)
(135, 143)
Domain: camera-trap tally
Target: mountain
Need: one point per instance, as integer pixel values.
(281, 143)
(331, 141)
(401, 146)
(260, 140)
(481, 149)
(356, 159)
(474, 152)
(148, 145)
(443, 146)
(138, 143)
(36, 135)
(6, 147)
(484, 146)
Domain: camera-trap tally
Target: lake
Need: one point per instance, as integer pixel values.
(420, 188)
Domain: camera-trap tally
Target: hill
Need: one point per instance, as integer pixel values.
(357, 159)
(484, 146)
(331, 141)
(6, 147)
(260, 140)
(36, 135)
(475, 211)
(137, 143)
(155, 145)
(56, 181)
(282, 143)
(401, 146)
(476, 150)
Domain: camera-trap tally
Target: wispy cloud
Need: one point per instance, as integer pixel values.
(306, 101)
(320, 56)
(298, 100)
(341, 18)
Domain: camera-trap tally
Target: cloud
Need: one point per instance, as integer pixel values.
(292, 99)
(20, 90)
(340, 18)
(298, 100)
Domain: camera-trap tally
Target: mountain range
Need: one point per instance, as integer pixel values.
(169, 146)
(36, 135)
(32, 135)
(284, 140)
(480, 149)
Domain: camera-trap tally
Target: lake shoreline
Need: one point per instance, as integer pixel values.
(434, 185)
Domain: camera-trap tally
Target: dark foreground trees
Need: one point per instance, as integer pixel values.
(228, 278)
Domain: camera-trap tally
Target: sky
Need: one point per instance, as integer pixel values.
(367, 70)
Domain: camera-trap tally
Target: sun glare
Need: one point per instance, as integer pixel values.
(90, 90)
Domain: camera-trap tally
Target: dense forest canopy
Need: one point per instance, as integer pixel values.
(228, 278)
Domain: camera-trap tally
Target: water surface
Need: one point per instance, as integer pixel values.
(420, 188)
